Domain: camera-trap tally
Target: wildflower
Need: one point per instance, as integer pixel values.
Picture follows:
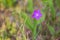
(37, 14)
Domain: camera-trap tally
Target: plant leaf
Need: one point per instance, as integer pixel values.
(8, 3)
(58, 3)
(51, 29)
(53, 12)
(28, 20)
(30, 6)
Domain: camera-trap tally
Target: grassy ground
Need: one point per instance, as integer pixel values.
(16, 22)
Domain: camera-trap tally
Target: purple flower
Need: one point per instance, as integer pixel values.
(36, 14)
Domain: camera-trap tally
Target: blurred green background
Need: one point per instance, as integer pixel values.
(16, 22)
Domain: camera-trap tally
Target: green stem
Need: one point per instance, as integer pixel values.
(34, 33)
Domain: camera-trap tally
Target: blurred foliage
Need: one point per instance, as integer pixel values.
(16, 20)
(57, 3)
(9, 3)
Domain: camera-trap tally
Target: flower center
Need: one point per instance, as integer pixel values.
(37, 15)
